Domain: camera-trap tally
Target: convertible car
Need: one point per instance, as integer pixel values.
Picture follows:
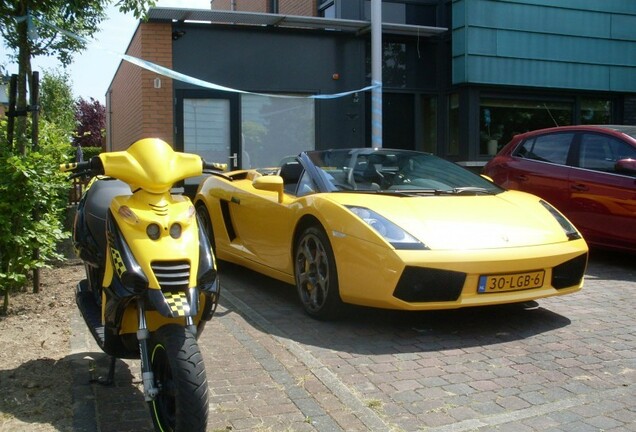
(390, 229)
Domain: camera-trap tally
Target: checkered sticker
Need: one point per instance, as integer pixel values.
(118, 263)
(178, 303)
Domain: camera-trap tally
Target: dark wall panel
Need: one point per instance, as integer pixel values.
(276, 61)
(281, 61)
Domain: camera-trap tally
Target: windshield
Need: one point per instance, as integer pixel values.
(395, 171)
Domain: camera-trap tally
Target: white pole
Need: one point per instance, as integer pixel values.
(376, 73)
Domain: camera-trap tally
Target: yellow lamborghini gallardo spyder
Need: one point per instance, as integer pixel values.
(390, 229)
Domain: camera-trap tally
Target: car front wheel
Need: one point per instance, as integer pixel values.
(316, 275)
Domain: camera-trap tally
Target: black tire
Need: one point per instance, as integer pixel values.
(316, 275)
(179, 372)
(204, 218)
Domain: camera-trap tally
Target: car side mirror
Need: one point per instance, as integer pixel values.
(626, 166)
(272, 183)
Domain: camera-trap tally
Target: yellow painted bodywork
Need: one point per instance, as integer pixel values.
(507, 233)
(150, 167)
(164, 210)
(151, 164)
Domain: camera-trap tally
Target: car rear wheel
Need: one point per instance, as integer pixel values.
(316, 275)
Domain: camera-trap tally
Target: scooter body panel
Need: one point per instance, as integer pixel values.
(151, 274)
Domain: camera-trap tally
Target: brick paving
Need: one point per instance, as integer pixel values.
(568, 366)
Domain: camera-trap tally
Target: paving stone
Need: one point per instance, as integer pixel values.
(568, 366)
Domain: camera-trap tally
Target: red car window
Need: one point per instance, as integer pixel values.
(552, 148)
(600, 152)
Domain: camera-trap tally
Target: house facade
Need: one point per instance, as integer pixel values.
(460, 77)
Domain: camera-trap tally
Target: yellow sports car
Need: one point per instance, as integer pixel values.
(390, 229)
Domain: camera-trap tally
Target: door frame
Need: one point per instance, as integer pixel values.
(235, 118)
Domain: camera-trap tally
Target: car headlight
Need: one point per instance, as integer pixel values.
(568, 228)
(392, 233)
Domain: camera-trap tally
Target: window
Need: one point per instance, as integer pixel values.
(428, 122)
(501, 119)
(453, 125)
(327, 9)
(552, 148)
(600, 152)
(274, 128)
(306, 185)
(398, 115)
(596, 111)
(206, 130)
(401, 12)
(393, 64)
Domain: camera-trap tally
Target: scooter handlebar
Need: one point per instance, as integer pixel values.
(90, 167)
(214, 166)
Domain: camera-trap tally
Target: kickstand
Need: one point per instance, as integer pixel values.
(110, 378)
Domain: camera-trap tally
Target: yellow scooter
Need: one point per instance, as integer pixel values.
(151, 281)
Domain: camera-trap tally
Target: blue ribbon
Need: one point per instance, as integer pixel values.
(167, 72)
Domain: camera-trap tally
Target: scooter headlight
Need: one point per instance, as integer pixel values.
(175, 230)
(154, 231)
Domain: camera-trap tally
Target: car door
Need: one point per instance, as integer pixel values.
(262, 227)
(264, 224)
(538, 166)
(602, 201)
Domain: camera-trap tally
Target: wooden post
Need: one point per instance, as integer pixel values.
(34, 109)
(13, 94)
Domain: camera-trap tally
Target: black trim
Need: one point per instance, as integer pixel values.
(570, 273)
(227, 219)
(420, 284)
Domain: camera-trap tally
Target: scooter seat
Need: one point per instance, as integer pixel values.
(98, 199)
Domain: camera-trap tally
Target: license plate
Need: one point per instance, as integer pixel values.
(510, 282)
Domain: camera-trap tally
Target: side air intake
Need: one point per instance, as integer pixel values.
(569, 273)
(418, 284)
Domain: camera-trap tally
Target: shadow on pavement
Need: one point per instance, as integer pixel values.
(120, 406)
(45, 386)
(377, 331)
(611, 265)
(28, 394)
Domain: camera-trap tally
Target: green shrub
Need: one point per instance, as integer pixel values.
(33, 200)
(89, 152)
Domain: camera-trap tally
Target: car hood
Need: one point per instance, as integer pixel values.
(508, 219)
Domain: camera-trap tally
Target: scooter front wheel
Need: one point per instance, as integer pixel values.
(179, 372)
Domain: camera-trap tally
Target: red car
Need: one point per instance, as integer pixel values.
(587, 172)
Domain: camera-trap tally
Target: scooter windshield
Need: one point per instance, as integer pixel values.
(152, 165)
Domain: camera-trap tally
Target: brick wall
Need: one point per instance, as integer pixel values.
(287, 7)
(136, 108)
(242, 5)
(298, 7)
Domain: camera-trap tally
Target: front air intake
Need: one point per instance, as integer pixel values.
(570, 273)
(419, 284)
(172, 275)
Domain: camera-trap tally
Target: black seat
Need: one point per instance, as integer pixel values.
(98, 199)
(291, 172)
(372, 170)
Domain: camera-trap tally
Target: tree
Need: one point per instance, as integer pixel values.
(57, 104)
(37, 27)
(91, 123)
(30, 182)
